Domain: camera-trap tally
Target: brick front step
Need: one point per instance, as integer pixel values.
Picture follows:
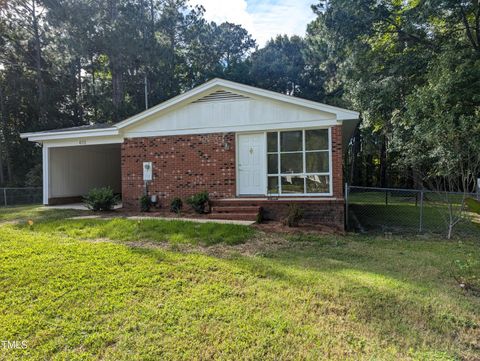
(234, 216)
(238, 209)
(240, 203)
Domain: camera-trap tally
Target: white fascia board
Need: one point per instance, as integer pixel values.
(196, 93)
(73, 134)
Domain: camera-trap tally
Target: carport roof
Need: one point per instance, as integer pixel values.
(81, 127)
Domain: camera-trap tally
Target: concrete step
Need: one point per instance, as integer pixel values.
(238, 209)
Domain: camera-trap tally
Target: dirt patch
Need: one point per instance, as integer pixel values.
(278, 227)
(261, 244)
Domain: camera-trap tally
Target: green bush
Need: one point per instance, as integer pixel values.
(176, 205)
(294, 216)
(101, 199)
(145, 203)
(198, 202)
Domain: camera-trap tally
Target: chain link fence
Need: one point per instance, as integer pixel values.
(400, 211)
(20, 196)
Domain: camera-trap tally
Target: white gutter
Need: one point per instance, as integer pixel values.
(40, 136)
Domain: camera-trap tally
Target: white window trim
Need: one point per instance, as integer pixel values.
(304, 151)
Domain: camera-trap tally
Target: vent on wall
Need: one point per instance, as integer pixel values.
(221, 95)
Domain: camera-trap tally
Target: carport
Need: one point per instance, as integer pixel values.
(78, 159)
(73, 171)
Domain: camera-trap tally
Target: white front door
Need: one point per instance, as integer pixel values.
(251, 164)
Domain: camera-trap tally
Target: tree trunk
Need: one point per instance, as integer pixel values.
(38, 65)
(354, 175)
(79, 92)
(115, 68)
(117, 88)
(383, 162)
(3, 120)
(94, 91)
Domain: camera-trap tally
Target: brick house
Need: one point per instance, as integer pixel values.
(246, 146)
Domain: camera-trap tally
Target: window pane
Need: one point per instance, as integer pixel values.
(318, 184)
(317, 162)
(273, 185)
(272, 164)
(316, 139)
(272, 142)
(291, 162)
(292, 184)
(291, 141)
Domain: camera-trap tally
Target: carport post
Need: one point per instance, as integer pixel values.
(45, 165)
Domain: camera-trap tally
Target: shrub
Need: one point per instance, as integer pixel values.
(259, 218)
(198, 202)
(101, 199)
(294, 216)
(176, 205)
(145, 203)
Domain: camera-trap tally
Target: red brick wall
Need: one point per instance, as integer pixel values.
(188, 164)
(182, 166)
(337, 161)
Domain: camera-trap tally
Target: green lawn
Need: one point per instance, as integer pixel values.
(82, 291)
(172, 231)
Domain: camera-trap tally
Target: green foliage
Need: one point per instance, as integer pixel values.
(101, 199)
(294, 216)
(34, 177)
(145, 203)
(473, 205)
(280, 66)
(411, 78)
(198, 202)
(176, 205)
(446, 141)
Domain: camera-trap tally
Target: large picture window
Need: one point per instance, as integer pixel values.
(298, 162)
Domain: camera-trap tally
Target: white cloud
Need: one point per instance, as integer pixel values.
(264, 19)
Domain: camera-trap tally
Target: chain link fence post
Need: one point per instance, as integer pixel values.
(346, 207)
(5, 197)
(420, 230)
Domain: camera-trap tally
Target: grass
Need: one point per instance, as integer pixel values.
(322, 297)
(36, 213)
(172, 231)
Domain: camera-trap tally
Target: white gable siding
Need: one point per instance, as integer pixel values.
(232, 115)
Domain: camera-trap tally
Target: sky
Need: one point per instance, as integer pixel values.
(263, 19)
